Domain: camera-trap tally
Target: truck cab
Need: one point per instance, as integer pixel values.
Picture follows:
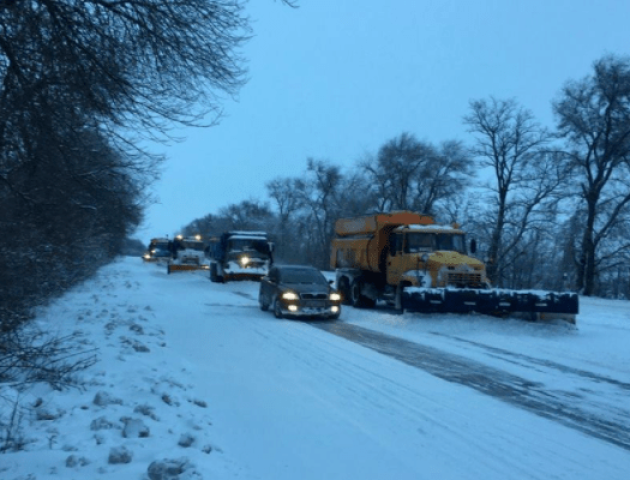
(241, 255)
(432, 256)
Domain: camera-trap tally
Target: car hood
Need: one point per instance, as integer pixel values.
(306, 287)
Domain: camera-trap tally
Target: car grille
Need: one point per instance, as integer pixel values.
(313, 296)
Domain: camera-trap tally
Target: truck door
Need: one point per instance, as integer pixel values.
(395, 263)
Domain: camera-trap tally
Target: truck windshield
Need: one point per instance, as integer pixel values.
(451, 242)
(161, 251)
(249, 245)
(430, 242)
(193, 245)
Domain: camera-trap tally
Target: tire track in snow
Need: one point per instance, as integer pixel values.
(537, 361)
(555, 405)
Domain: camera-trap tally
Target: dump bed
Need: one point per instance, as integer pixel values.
(371, 224)
(361, 241)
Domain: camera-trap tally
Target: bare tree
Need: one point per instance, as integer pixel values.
(444, 177)
(321, 200)
(512, 145)
(408, 174)
(393, 171)
(288, 198)
(80, 81)
(594, 119)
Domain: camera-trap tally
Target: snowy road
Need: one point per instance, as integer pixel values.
(569, 407)
(372, 396)
(582, 406)
(398, 399)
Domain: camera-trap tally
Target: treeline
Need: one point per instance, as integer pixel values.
(550, 208)
(81, 84)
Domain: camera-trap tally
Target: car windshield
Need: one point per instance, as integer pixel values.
(429, 242)
(302, 276)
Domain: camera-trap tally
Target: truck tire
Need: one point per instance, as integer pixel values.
(344, 289)
(214, 275)
(398, 303)
(357, 298)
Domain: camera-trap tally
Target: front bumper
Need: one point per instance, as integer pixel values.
(299, 309)
(233, 271)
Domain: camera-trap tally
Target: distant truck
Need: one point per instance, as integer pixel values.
(158, 250)
(187, 254)
(241, 255)
(412, 263)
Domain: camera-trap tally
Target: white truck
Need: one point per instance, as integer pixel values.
(241, 255)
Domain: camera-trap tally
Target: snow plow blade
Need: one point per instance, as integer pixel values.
(536, 305)
(184, 268)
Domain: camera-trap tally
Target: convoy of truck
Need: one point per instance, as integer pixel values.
(402, 259)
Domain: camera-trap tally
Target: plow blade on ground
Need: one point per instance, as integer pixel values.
(170, 268)
(530, 303)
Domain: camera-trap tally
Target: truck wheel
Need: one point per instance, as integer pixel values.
(344, 289)
(355, 294)
(357, 298)
(214, 275)
(398, 305)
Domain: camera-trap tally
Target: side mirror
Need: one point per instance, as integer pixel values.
(271, 246)
(473, 246)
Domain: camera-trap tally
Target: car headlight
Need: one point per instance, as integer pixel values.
(147, 256)
(244, 261)
(290, 296)
(335, 297)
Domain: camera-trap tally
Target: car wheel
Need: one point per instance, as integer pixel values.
(263, 305)
(277, 308)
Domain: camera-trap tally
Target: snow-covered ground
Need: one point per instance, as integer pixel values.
(193, 373)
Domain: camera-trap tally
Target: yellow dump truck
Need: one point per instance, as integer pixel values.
(408, 260)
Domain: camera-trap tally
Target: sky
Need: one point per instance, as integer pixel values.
(334, 80)
(194, 373)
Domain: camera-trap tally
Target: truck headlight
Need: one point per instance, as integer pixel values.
(290, 296)
(335, 297)
(245, 261)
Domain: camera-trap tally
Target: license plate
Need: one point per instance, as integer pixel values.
(315, 303)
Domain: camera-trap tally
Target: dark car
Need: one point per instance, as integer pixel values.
(298, 291)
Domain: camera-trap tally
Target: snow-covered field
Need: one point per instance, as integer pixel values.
(193, 373)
